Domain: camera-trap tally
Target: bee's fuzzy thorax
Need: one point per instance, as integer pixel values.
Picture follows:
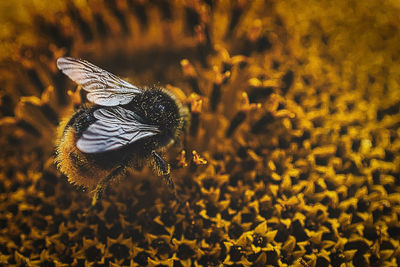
(162, 108)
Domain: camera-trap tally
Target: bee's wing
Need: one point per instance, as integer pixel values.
(115, 127)
(104, 88)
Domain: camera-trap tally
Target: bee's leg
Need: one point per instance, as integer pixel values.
(163, 169)
(102, 185)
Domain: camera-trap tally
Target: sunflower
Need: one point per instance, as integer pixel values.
(291, 158)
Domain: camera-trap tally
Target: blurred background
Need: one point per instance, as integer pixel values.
(291, 158)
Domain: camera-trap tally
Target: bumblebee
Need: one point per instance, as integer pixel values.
(122, 127)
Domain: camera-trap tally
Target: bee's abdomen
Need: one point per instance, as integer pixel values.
(77, 166)
(79, 169)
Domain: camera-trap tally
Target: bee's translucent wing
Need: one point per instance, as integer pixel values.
(115, 127)
(105, 89)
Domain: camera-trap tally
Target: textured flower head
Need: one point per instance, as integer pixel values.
(291, 156)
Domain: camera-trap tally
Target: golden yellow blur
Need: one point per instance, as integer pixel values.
(292, 157)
